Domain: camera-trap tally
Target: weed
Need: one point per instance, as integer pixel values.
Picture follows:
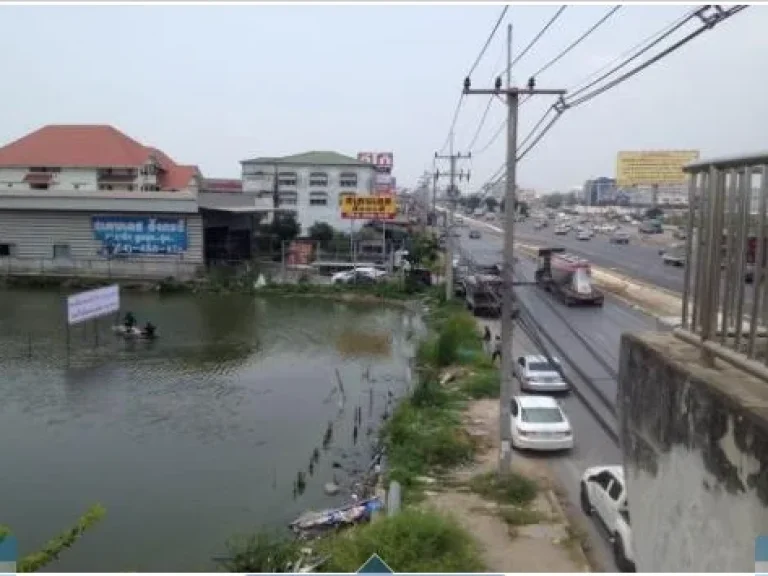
(482, 384)
(514, 516)
(411, 541)
(261, 552)
(507, 489)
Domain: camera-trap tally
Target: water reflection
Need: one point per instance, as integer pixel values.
(219, 426)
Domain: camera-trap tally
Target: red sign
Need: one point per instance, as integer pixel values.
(382, 161)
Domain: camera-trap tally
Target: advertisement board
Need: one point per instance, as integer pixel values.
(368, 208)
(382, 183)
(653, 167)
(93, 304)
(383, 161)
(121, 235)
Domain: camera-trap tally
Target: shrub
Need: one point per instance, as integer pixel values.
(482, 384)
(261, 552)
(508, 489)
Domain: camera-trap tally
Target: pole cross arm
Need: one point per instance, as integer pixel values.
(517, 91)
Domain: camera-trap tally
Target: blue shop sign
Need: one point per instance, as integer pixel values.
(140, 235)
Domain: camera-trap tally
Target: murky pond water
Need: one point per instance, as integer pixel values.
(195, 437)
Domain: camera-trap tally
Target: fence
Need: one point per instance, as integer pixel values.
(119, 268)
(725, 249)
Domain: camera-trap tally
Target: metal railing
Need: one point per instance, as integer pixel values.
(725, 245)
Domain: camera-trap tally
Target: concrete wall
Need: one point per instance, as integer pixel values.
(33, 235)
(695, 445)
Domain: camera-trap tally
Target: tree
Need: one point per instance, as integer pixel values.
(554, 201)
(321, 232)
(285, 226)
(491, 203)
(473, 202)
(654, 213)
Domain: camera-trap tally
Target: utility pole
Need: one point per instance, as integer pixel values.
(507, 304)
(452, 195)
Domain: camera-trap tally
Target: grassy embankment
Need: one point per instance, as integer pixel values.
(425, 437)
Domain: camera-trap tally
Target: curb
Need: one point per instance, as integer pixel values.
(554, 501)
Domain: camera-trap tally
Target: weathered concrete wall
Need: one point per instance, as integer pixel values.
(695, 443)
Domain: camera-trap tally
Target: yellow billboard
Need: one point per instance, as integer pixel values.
(653, 167)
(383, 207)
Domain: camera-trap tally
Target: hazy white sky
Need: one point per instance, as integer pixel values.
(212, 85)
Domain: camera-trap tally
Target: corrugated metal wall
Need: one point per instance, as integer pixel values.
(34, 233)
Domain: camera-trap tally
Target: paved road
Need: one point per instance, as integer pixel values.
(590, 339)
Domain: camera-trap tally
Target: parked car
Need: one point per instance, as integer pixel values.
(474, 234)
(603, 494)
(361, 275)
(537, 374)
(620, 237)
(538, 423)
(674, 256)
(561, 230)
(583, 235)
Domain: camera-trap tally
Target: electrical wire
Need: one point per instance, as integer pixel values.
(488, 41)
(482, 123)
(578, 41)
(536, 38)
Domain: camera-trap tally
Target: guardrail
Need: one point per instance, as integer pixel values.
(725, 243)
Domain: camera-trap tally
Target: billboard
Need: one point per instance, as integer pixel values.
(121, 235)
(383, 183)
(383, 161)
(653, 167)
(92, 304)
(368, 208)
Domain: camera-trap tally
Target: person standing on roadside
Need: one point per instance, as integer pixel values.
(487, 339)
(496, 349)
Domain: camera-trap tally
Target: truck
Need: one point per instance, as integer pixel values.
(567, 276)
(482, 294)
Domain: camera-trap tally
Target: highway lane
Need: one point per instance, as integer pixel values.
(590, 338)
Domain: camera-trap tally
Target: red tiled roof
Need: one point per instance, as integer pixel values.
(91, 146)
(223, 185)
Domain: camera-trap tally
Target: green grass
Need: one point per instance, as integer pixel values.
(484, 383)
(508, 489)
(521, 516)
(411, 541)
(261, 552)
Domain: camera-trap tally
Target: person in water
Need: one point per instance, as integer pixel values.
(149, 330)
(130, 320)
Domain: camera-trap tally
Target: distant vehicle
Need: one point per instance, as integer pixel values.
(620, 237)
(561, 230)
(490, 216)
(474, 234)
(674, 256)
(538, 423)
(537, 374)
(603, 493)
(567, 276)
(482, 295)
(651, 227)
(538, 225)
(478, 212)
(358, 276)
(583, 235)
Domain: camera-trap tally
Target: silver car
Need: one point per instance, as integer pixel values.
(537, 374)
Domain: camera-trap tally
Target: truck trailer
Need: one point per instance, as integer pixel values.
(568, 277)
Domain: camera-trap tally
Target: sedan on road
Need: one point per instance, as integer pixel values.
(538, 423)
(620, 237)
(474, 234)
(537, 374)
(583, 235)
(604, 496)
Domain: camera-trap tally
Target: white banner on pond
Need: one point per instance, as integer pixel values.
(93, 304)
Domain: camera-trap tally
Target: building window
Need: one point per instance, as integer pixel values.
(264, 194)
(38, 186)
(287, 179)
(318, 179)
(318, 199)
(44, 169)
(7, 250)
(105, 187)
(288, 199)
(61, 251)
(148, 170)
(348, 180)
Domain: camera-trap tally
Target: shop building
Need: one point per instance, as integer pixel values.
(87, 200)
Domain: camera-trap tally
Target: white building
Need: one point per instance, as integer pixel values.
(89, 200)
(311, 185)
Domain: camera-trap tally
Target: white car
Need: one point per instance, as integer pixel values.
(538, 423)
(583, 235)
(604, 495)
(537, 374)
(365, 272)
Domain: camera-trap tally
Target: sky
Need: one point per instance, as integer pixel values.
(213, 85)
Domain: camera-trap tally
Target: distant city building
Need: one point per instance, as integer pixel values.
(311, 185)
(599, 191)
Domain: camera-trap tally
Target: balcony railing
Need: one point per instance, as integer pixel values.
(725, 290)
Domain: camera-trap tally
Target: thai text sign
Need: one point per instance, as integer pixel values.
(653, 167)
(92, 304)
(382, 161)
(140, 235)
(368, 208)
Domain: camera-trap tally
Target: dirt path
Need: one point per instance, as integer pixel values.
(545, 545)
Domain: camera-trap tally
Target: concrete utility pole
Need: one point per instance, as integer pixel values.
(507, 304)
(452, 195)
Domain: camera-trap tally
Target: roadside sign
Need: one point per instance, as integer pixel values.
(368, 208)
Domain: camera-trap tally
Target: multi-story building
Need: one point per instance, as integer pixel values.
(599, 191)
(311, 185)
(88, 199)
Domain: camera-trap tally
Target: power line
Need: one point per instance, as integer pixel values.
(536, 38)
(482, 123)
(496, 134)
(578, 41)
(488, 41)
(471, 70)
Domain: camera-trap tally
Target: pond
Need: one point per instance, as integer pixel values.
(195, 437)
